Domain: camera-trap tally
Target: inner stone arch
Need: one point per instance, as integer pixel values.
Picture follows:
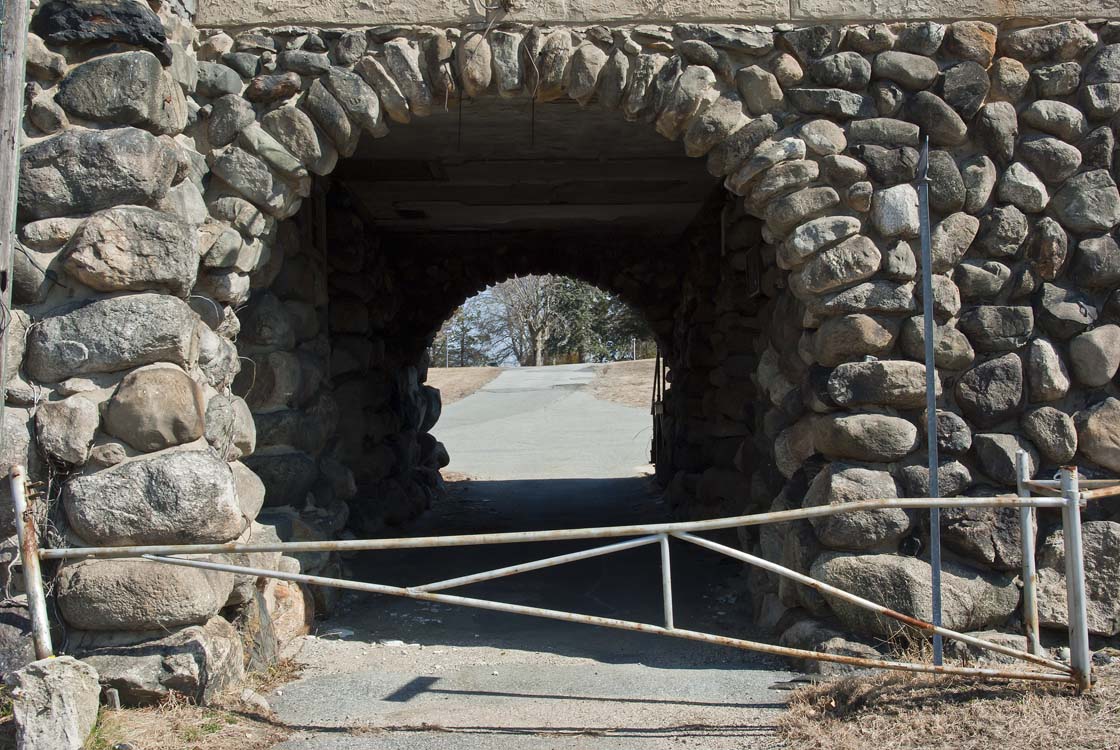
(383, 274)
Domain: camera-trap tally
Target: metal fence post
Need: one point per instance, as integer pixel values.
(666, 581)
(931, 393)
(1080, 656)
(1030, 575)
(28, 535)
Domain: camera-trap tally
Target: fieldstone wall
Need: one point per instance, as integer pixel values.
(195, 340)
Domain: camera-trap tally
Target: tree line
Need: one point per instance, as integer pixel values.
(541, 320)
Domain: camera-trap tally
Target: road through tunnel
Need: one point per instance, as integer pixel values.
(405, 230)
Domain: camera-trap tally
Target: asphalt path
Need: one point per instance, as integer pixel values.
(543, 423)
(393, 673)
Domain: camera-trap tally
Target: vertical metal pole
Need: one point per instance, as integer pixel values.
(28, 534)
(1080, 655)
(931, 393)
(1030, 575)
(666, 582)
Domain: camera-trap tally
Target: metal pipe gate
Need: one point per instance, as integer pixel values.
(1064, 492)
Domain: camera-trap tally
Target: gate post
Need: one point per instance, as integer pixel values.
(1030, 575)
(1080, 656)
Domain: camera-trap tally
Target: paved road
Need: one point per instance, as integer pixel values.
(397, 674)
(542, 422)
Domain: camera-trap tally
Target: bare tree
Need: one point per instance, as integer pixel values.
(527, 306)
(540, 320)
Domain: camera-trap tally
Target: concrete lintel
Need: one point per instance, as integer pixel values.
(341, 13)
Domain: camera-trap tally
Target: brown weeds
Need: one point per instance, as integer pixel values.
(905, 711)
(178, 724)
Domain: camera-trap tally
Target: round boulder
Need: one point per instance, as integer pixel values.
(1098, 433)
(846, 483)
(156, 407)
(133, 595)
(865, 437)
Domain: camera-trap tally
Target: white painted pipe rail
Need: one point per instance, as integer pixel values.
(666, 581)
(1080, 655)
(610, 622)
(869, 605)
(516, 537)
(1027, 530)
(1078, 672)
(548, 562)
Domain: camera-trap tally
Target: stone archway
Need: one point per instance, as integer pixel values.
(212, 147)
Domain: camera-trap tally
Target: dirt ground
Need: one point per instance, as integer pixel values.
(902, 711)
(627, 383)
(456, 383)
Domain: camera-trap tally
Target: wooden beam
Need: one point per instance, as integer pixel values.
(15, 17)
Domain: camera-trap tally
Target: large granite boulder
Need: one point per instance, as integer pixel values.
(971, 599)
(82, 171)
(107, 335)
(174, 497)
(137, 595)
(132, 248)
(1101, 545)
(54, 703)
(860, 530)
(197, 662)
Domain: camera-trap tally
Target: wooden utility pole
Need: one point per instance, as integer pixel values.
(14, 17)
(13, 41)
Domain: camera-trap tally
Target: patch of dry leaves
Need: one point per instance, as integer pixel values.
(904, 711)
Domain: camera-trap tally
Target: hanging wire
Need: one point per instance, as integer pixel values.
(459, 126)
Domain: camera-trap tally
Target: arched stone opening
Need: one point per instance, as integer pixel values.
(382, 297)
(796, 345)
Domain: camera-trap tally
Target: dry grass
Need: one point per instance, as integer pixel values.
(626, 383)
(904, 711)
(456, 383)
(177, 724)
(280, 673)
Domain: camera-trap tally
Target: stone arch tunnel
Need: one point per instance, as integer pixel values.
(228, 273)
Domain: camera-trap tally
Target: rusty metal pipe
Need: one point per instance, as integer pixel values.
(1100, 492)
(867, 604)
(1045, 489)
(608, 622)
(604, 532)
(28, 534)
